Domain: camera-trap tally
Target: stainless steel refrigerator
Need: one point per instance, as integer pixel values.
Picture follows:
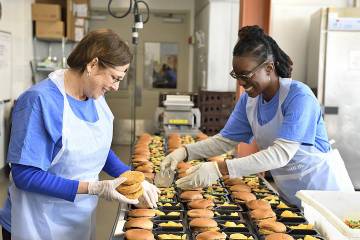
(333, 72)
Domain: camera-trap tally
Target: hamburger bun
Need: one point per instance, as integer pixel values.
(144, 169)
(201, 204)
(233, 181)
(216, 159)
(211, 235)
(181, 175)
(123, 189)
(240, 188)
(140, 159)
(262, 214)
(259, 203)
(148, 164)
(182, 165)
(143, 204)
(191, 195)
(142, 213)
(141, 150)
(145, 163)
(279, 236)
(244, 196)
(203, 224)
(143, 223)
(270, 226)
(200, 213)
(139, 234)
(132, 177)
(149, 176)
(135, 195)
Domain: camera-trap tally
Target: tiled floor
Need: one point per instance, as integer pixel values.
(106, 211)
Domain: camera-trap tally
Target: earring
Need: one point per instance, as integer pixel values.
(88, 74)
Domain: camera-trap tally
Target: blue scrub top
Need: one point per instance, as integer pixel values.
(302, 120)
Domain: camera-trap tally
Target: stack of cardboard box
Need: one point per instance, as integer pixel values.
(47, 19)
(55, 19)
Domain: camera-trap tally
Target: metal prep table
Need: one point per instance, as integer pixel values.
(117, 233)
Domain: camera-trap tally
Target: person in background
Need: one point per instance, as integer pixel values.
(281, 114)
(60, 141)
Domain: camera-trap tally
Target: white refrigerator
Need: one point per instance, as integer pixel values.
(333, 72)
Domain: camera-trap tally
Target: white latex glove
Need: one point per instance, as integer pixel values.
(151, 193)
(171, 161)
(107, 189)
(201, 175)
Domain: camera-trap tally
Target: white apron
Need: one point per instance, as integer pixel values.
(85, 147)
(309, 169)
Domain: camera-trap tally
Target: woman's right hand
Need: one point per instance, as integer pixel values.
(107, 189)
(171, 161)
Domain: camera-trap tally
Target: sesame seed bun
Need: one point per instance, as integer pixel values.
(201, 204)
(211, 235)
(135, 195)
(139, 234)
(279, 236)
(123, 189)
(261, 214)
(182, 165)
(141, 213)
(144, 169)
(203, 224)
(244, 196)
(269, 226)
(190, 195)
(200, 213)
(137, 159)
(143, 223)
(149, 176)
(233, 181)
(259, 203)
(240, 188)
(132, 177)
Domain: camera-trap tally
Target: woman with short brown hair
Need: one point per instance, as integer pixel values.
(60, 141)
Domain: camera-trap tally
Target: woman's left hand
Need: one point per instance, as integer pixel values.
(201, 175)
(151, 193)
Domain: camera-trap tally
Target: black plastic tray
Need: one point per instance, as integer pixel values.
(218, 207)
(247, 227)
(160, 229)
(291, 231)
(302, 236)
(248, 234)
(226, 215)
(172, 208)
(158, 233)
(221, 199)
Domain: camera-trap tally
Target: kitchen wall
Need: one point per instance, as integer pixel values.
(290, 22)
(16, 19)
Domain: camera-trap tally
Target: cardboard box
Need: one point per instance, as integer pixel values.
(73, 9)
(327, 210)
(45, 12)
(49, 29)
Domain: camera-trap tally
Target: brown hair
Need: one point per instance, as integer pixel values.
(104, 44)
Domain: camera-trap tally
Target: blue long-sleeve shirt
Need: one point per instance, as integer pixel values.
(36, 138)
(34, 179)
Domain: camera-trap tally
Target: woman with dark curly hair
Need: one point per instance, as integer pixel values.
(281, 114)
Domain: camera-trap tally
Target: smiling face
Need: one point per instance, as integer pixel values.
(102, 80)
(261, 78)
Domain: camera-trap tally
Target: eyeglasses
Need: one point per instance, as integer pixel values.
(247, 77)
(109, 64)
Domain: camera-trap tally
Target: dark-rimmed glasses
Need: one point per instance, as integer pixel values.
(247, 77)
